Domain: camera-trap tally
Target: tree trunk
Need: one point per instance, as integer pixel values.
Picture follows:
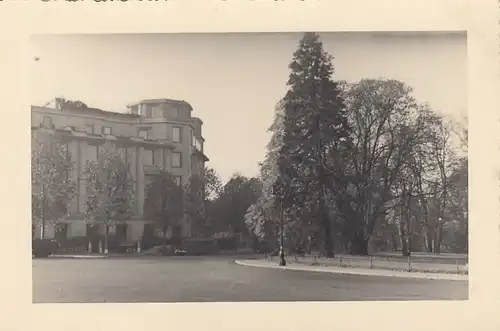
(394, 242)
(42, 227)
(165, 229)
(466, 238)
(429, 242)
(106, 231)
(358, 245)
(404, 247)
(439, 235)
(403, 231)
(327, 230)
(403, 240)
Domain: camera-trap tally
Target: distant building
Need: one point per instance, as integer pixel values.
(155, 134)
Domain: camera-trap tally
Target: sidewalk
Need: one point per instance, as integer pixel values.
(352, 271)
(94, 256)
(78, 256)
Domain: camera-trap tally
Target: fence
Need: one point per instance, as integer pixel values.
(433, 264)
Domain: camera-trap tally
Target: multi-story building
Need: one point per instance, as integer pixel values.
(154, 134)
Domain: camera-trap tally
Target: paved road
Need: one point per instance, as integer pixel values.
(204, 279)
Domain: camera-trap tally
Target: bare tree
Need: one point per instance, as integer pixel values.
(383, 115)
(52, 183)
(109, 190)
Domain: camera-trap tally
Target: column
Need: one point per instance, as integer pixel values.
(140, 181)
(132, 160)
(158, 157)
(75, 158)
(82, 160)
(166, 159)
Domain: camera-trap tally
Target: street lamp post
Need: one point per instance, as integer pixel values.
(282, 260)
(278, 191)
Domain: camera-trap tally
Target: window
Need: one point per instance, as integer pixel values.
(123, 154)
(176, 134)
(157, 111)
(175, 112)
(89, 129)
(47, 122)
(149, 111)
(93, 153)
(106, 130)
(148, 157)
(178, 180)
(143, 134)
(176, 159)
(197, 144)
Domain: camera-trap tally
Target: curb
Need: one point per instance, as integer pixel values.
(79, 256)
(360, 272)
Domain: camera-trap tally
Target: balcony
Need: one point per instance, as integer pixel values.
(197, 144)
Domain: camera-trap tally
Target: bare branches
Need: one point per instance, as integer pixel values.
(109, 188)
(53, 184)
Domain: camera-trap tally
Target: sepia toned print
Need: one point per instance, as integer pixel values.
(326, 170)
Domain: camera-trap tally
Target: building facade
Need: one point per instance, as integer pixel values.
(153, 135)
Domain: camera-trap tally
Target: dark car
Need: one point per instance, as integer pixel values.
(43, 247)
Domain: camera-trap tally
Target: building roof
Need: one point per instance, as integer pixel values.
(197, 119)
(97, 111)
(163, 100)
(89, 110)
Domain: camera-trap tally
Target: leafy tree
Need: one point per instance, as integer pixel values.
(164, 202)
(64, 103)
(261, 217)
(52, 182)
(212, 184)
(315, 125)
(199, 192)
(109, 189)
(235, 198)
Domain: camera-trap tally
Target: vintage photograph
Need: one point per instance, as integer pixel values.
(238, 167)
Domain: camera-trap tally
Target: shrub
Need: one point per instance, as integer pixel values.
(227, 243)
(150, 241)
(73, 243)
(200, 246)
(43, 247)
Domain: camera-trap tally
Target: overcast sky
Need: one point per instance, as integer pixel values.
(233, 81)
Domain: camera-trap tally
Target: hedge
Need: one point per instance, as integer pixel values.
(200, 246)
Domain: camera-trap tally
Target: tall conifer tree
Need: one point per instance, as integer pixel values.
(315, 124)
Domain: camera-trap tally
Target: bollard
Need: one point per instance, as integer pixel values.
(371, 262)
(138, 246)
(409, 263)
(90, 247)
